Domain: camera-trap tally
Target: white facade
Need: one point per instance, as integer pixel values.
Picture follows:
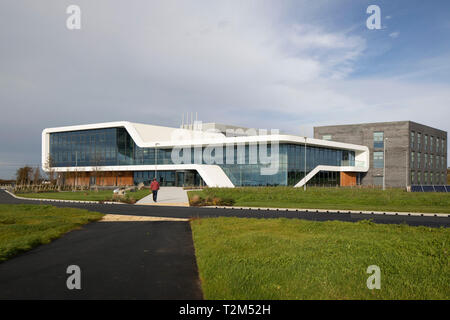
(151, 136)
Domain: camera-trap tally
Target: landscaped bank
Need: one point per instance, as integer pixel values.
(324, 198)
(23, 227)
(241, 258)
(87, 195)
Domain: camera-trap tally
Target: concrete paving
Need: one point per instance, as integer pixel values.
(173, 196)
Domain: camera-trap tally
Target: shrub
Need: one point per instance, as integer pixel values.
(128, 200)
(198, 201)
(195, 201)
(227, 202)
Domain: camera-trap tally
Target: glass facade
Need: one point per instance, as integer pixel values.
(169, 178)
(115, 147)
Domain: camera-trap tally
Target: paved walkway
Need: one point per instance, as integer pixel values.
(118, 260)
(169, 196)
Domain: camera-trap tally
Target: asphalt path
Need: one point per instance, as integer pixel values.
(199, 212)
(117, 260)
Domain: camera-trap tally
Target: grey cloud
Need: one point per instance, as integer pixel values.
(150, 61)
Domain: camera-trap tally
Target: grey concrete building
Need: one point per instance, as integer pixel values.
(411, 153)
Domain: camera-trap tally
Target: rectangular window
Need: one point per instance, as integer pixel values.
(419, 156)
(412, 159)
(378, 159)
(431, 161)
(431, 177)
(419, 138)
(412, 139)
(412, 178)
(419, 175)
(425, 163)
(437, 145)
(327, 137)
(426, 142)
(378, 139)
(431, 144)
(425, 178)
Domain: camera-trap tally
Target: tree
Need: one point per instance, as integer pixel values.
(36, 176)
(24, 175)
(48, 167)
(96, 171)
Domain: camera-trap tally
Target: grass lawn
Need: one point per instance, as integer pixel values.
(331, 198)
(240, 258)
(91, 195)
(23, 227)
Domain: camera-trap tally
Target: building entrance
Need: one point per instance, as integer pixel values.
(178, 178)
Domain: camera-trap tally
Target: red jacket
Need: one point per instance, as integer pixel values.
(154, 185)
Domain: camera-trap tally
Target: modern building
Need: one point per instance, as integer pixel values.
(407, 152)
(126, 153)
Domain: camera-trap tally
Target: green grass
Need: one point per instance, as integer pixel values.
(23, 227)
(332, 198)
(91, 195)
(240, 258)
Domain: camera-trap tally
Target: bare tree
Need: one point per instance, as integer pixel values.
(24, 175)
(96, 171)
(37, 176)
(48, 167)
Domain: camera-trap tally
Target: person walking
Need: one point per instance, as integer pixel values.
(154, 186)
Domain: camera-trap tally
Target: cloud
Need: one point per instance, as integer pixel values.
(247, 63)
(394, 34)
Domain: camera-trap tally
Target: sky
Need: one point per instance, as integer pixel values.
(281, 64)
